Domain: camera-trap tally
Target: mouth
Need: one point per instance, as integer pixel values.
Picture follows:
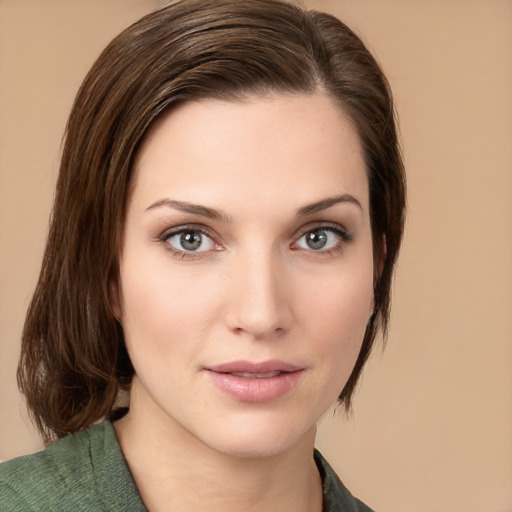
(248, 375)
(247, 381)
(252, 369)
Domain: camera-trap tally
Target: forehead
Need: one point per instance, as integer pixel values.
(210, 149)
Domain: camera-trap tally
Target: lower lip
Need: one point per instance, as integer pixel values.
(252, 389)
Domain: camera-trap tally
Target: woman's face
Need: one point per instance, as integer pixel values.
(246, 273)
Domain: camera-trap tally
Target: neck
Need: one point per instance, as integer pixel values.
(173, 470)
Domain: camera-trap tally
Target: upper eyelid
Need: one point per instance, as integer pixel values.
(187, 227)
(333, 226)
(182, 253)
(297, 234)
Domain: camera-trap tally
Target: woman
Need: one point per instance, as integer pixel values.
(228, 215)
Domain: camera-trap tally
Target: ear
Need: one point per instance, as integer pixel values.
(114, 296)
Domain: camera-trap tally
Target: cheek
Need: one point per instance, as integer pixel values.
(344, 294)
(160, 308)
(337, 313)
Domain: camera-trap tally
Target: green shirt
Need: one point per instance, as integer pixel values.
(87, 472)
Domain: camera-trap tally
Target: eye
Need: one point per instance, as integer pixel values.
(189, 240)
(322, 239)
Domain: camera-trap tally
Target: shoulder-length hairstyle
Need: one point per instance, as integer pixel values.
(74, 362)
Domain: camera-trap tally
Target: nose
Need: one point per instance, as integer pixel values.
(260, 299)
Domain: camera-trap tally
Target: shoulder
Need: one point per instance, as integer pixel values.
(51, 477)
(337, 498)
(74, 473)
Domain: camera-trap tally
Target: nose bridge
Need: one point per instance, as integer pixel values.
(258, 305)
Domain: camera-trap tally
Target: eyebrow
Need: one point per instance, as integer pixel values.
(327, 203)
(194, 209)
(221, 216)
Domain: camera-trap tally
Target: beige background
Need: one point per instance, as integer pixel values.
(432, 423)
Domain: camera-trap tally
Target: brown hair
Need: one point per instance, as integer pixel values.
(74, 360)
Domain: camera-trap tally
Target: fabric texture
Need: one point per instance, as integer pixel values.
(87, 471)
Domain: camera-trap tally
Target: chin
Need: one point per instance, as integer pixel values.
(257, 437)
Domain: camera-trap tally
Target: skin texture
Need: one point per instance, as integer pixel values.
(254, 290)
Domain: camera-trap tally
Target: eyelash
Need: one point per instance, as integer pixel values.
(184, 255)
(344, 238)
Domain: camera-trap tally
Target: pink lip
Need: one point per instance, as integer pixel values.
(258, 388)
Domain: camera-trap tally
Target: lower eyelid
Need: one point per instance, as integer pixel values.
(338, 231)
(182, 253)
(342, 235)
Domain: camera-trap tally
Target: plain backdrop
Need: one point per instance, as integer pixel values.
(431, 429)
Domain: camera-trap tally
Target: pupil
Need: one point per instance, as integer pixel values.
(317, 239)
(190, 240)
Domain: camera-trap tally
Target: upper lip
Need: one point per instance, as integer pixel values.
(272, 365)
